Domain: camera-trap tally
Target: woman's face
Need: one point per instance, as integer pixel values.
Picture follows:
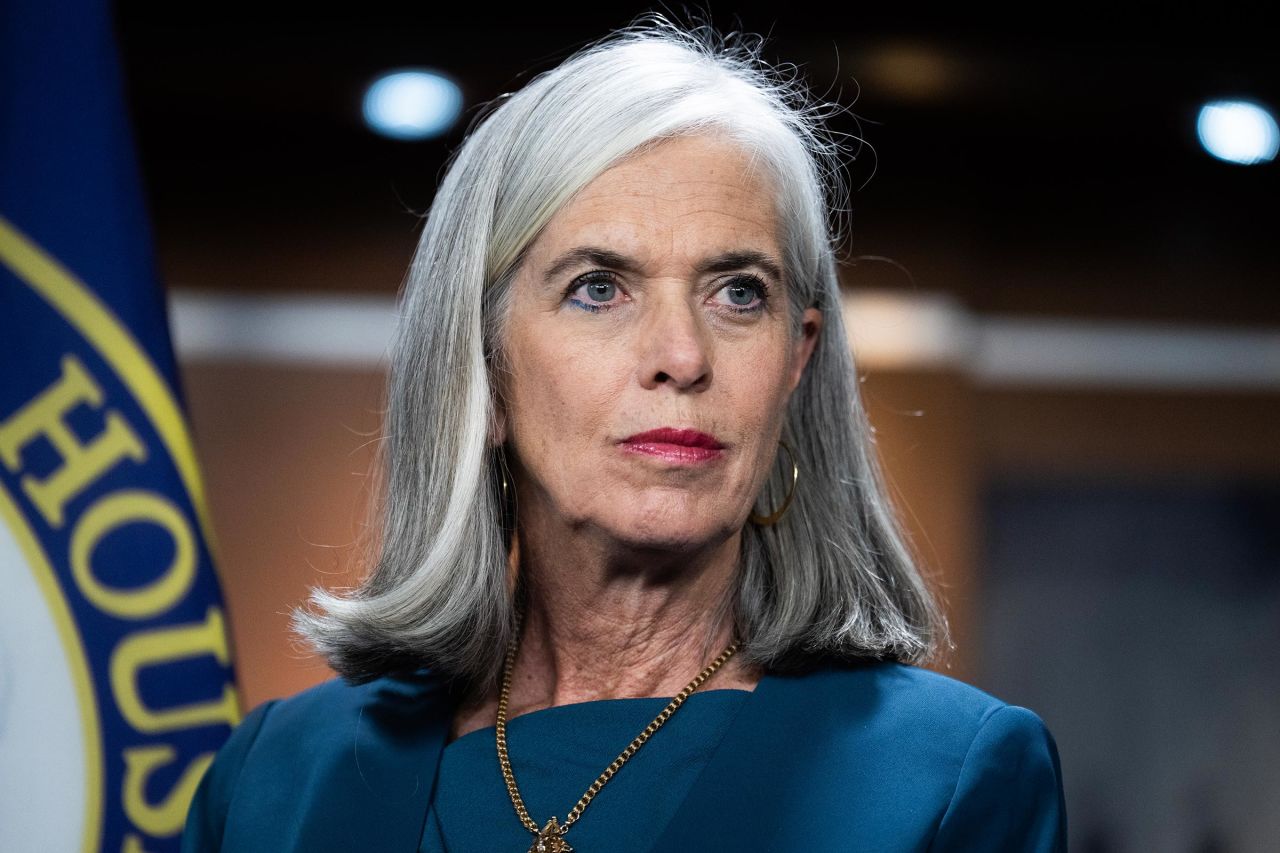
(653, 300)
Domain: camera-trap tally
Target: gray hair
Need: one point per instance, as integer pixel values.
(835, 576)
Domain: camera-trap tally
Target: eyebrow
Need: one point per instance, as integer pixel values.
(723, 262)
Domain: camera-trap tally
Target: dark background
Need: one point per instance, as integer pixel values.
(1044, 162)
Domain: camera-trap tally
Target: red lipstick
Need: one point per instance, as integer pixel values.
(675, 445)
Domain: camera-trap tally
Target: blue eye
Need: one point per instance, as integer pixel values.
(598, 293)
(747, 294)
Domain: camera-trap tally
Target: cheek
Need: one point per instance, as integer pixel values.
(562, 392)
(754, 384)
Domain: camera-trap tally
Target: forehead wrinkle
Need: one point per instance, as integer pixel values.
(646, 194)
(619, 232)
(761, 222)
(631, 230)
(669, 183)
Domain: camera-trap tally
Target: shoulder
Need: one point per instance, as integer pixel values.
(893, 695)
(957, 713)
(336, 704)
(333, 713)
(308, 737)
(326, 715)
(979, 772)
(896, 701)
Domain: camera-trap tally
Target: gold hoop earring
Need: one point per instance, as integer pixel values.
(772, 518)
(513, 545)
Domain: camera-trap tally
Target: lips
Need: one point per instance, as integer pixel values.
(675, 445)
(681, 437)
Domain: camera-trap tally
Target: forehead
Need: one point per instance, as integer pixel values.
(686, 195)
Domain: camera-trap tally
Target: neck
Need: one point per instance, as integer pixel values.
(617, 626)
(603, 621)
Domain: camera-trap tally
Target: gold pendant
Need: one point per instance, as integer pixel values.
(551, 839)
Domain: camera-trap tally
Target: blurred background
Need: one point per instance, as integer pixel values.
(1061, 288)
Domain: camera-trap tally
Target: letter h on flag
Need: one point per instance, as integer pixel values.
(116, 683)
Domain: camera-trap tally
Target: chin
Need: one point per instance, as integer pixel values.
(667, 541)
(672, 530)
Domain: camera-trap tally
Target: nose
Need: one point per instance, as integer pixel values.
(675, 348)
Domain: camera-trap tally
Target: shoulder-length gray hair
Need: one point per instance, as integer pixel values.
(834, 577)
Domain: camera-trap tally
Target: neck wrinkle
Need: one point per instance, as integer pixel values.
(621, 625)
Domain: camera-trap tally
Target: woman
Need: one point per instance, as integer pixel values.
(626, 462)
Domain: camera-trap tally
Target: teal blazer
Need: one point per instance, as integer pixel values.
(871, 756)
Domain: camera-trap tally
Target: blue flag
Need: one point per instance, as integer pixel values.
(116, 679)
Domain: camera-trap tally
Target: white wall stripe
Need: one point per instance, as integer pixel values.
(889, 331)
(1124, 355)
(353, 331)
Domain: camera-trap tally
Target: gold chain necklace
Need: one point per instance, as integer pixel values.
(550, 838)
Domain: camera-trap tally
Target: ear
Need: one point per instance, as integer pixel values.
(810, 328)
